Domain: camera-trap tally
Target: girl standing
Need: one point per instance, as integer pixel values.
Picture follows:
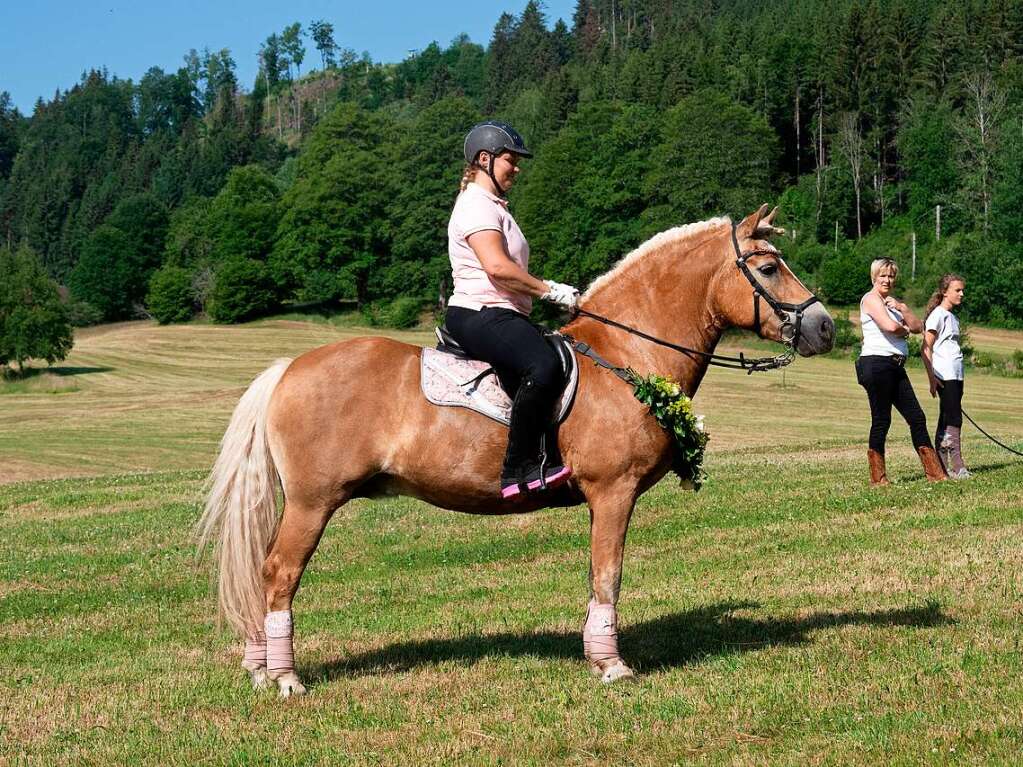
(943, 359)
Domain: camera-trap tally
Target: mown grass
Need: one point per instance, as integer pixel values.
(786, 614)
(51, 381)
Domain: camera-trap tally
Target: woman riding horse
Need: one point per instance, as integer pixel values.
(489, 308)
(348, 420)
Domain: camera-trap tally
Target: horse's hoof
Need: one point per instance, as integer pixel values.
(290, 685)
(617, 672)
(257, 673)
(260, 681)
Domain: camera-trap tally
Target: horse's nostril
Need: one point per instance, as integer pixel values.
(827, 328)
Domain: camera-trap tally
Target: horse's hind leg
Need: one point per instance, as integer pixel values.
(299, 532)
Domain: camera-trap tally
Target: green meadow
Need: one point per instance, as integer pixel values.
(786, 614)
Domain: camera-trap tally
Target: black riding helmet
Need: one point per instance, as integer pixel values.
(493, 137)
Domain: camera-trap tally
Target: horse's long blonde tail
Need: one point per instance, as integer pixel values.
(241, 506)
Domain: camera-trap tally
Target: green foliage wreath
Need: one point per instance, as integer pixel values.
(674, 412)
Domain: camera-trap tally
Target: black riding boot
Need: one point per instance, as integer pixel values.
(526, 464)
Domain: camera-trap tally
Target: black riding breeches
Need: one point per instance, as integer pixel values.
(887, 384)
(951, 412)
(513, 345)
(529, 371)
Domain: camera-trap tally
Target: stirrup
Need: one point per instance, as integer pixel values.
(553, 476)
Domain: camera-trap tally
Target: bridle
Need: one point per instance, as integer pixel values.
(782, 310)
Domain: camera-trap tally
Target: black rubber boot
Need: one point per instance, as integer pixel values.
(526, 463)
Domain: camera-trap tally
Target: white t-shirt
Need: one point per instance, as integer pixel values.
(947, 357)
(476, 210)
(878, 343)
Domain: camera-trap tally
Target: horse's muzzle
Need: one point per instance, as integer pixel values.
(816, 332)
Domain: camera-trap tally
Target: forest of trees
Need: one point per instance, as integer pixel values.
(873, 124)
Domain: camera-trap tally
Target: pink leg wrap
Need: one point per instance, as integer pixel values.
(280, 653)
(255, 649)
(600, 632)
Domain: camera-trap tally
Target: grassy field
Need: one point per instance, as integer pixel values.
(786, 614)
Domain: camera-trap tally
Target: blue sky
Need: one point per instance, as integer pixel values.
(47, 44)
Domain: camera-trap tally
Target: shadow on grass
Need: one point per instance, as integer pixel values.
(62, 371)
(667, 642)
(981, 468)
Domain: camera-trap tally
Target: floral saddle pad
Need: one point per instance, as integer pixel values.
(448, 377)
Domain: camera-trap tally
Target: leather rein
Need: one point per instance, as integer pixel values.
(791, 316)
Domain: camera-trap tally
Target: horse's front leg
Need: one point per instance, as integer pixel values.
(609, 521)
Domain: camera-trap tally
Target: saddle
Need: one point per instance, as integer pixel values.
(449, 377)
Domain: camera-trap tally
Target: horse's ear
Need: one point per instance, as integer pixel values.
(765, 229)
(748, 226)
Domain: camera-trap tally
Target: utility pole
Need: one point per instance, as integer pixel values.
(836, 235)
(937, 223)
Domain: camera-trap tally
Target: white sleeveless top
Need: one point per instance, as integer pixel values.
(878, 343)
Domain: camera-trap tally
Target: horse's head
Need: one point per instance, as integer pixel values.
(755, 289)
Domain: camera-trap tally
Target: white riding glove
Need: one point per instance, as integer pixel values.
(563, 295)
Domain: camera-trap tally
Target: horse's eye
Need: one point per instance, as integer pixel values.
(768, 269)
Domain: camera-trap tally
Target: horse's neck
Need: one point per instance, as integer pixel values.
(662, 300)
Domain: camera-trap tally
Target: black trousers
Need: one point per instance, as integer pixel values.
(951, 413)
(528, 369)
(887, 384)
(513, 345)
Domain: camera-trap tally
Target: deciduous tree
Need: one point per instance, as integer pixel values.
(103, 275)
(323, 37)
(291, 44)
(33, 320)
(850, 145)
(333, 227)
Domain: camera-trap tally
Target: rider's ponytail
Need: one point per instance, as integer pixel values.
(468, 175)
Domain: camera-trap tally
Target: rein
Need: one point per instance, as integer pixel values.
(782, 310)
(750, 365)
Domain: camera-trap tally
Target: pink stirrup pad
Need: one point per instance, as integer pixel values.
(255, 649)
(280, 651)
(553, 480)
(600, 632)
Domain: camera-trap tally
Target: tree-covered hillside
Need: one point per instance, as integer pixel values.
(874, 124)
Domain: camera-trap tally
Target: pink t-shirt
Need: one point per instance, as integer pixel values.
(475, 210)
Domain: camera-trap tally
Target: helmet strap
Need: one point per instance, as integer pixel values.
(490, 172)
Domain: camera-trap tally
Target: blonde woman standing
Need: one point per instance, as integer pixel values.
(886, 323)
(943, 359)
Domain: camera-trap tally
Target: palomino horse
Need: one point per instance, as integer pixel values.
(348, 420)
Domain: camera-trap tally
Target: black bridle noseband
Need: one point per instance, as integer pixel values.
(782, 310)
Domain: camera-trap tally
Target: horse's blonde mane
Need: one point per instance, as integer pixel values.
(655, 242)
